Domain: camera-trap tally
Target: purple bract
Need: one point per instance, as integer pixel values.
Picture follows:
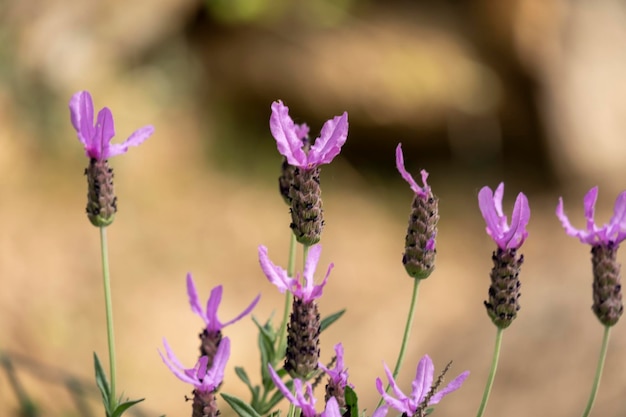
(506, 236)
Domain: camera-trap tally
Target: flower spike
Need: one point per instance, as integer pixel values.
(423, 392)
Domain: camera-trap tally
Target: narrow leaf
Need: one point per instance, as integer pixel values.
(125, 406)
(327, 321)
(240, 407)
(352, 402)
(102, 383)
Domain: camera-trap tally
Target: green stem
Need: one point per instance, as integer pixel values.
(492, 372)
(291, 267)
(596, 381)
(407, 332)
(109, 314)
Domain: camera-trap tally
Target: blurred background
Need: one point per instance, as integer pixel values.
(528, 92)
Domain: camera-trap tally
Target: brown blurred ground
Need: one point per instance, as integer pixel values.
(478, 93)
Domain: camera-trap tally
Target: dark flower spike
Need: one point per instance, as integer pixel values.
(337, 378)
(419, 249)
(204, 379)
(604, 241)
(209, 315)
(614, 231)
(421, 388)
(506, 236)
(96, 139)
(289, 137)
(279, 277)
(306, 401)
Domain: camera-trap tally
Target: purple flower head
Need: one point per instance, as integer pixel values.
(278, 276)
(339, 375)
(505, 236)
(420, 387)
(213, 324)
(204, 379)
(97, 138)
(306, 401)
(289, 138)
(421, 191)
(614, 231)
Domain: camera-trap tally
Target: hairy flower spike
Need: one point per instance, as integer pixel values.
(423, 393)
(419, 252)
(504, 291)
(211, 336)
(101, 200)
(299, 182)
(604, 241)
(303, 330)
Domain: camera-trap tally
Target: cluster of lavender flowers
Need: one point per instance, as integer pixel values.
(290, 352)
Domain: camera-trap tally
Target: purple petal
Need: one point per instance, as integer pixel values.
(275, 274)
(392, 382)
(398, 404)
(454, 385)
(521, 216)
(105, 130)
(381, 411)
(245, 312)
(81, 115)
(215, 375)
(488, 210)
(589, 203)
(135, 139)
(310, 265)
(306, 402)
(560, 214)
(332, 408)
(212, 304)
(280, 385)
(328, 145)
(302, 131)
(174, 364)
(284, 131)
(423, 379)
(194, 302)
(403, 172)
(497, 199)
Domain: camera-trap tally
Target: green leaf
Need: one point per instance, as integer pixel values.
(242, 408)
(125, 406)
(327, 321)
(102, 383)
(352, 402)
(242, 374)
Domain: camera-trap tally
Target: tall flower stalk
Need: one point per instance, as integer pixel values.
(607, 287)
(101, 209)
(503, 302)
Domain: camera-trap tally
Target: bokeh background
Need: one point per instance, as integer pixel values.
(529, 92)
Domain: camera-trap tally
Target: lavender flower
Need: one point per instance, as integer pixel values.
(504, 291)
(304, 400)
(303, 331)
(212, 334)
(614, 231)
(278, 276)
(203, 378)
(337, 378)
(96, 139)
(505, 236)
(101, 199)
(604, 241)
(423, 392)
(419, 249)
(289, 137)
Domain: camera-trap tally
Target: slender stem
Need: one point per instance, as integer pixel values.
(291, 266)
(596, 381)
(407, 332)
(109, 314)
(492, 372)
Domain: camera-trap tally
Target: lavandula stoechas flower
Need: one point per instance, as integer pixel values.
(304, 400)
(337, 378)
(101, 200)
(303, 331)
(212, 333)
(304, 191)
(503, 303)
(205, 378)
(419, 251)
(604, 241)
(423, 392)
